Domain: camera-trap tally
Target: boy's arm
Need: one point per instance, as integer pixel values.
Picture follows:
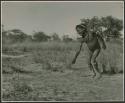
(82, 40)
(77, 53)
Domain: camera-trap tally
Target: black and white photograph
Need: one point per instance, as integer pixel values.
(62, 51)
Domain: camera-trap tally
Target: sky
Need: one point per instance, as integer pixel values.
(59, 17)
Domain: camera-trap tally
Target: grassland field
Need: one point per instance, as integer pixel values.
(41, 72)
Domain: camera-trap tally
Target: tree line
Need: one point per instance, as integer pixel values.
(17, 35)
(108, 26)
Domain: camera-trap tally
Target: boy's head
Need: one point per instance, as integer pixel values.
(81, 29)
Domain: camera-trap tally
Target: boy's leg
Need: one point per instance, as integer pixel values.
(89, 60)
(94, 62)
(90, 53)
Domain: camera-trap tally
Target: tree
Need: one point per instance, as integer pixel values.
(55, 37)
(16, 35)
(93, 24)
(40, 36)
(107, 26)
(66, 38)
(113, 26)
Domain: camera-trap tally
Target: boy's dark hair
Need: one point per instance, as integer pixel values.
(81, 26)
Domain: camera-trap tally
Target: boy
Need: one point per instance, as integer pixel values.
(94, 42)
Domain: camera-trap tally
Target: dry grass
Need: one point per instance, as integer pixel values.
(52, 53)
(47, 58)
(111, 59)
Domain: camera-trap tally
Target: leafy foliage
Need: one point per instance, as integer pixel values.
(109, 26)
(113, 26)
(40, 36)
(12, 36)
(55, 37)
(66, 38)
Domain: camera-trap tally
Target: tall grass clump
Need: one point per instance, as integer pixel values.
(54, 55)
(111, 58)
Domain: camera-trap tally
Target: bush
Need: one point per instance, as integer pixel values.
(110, 58)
